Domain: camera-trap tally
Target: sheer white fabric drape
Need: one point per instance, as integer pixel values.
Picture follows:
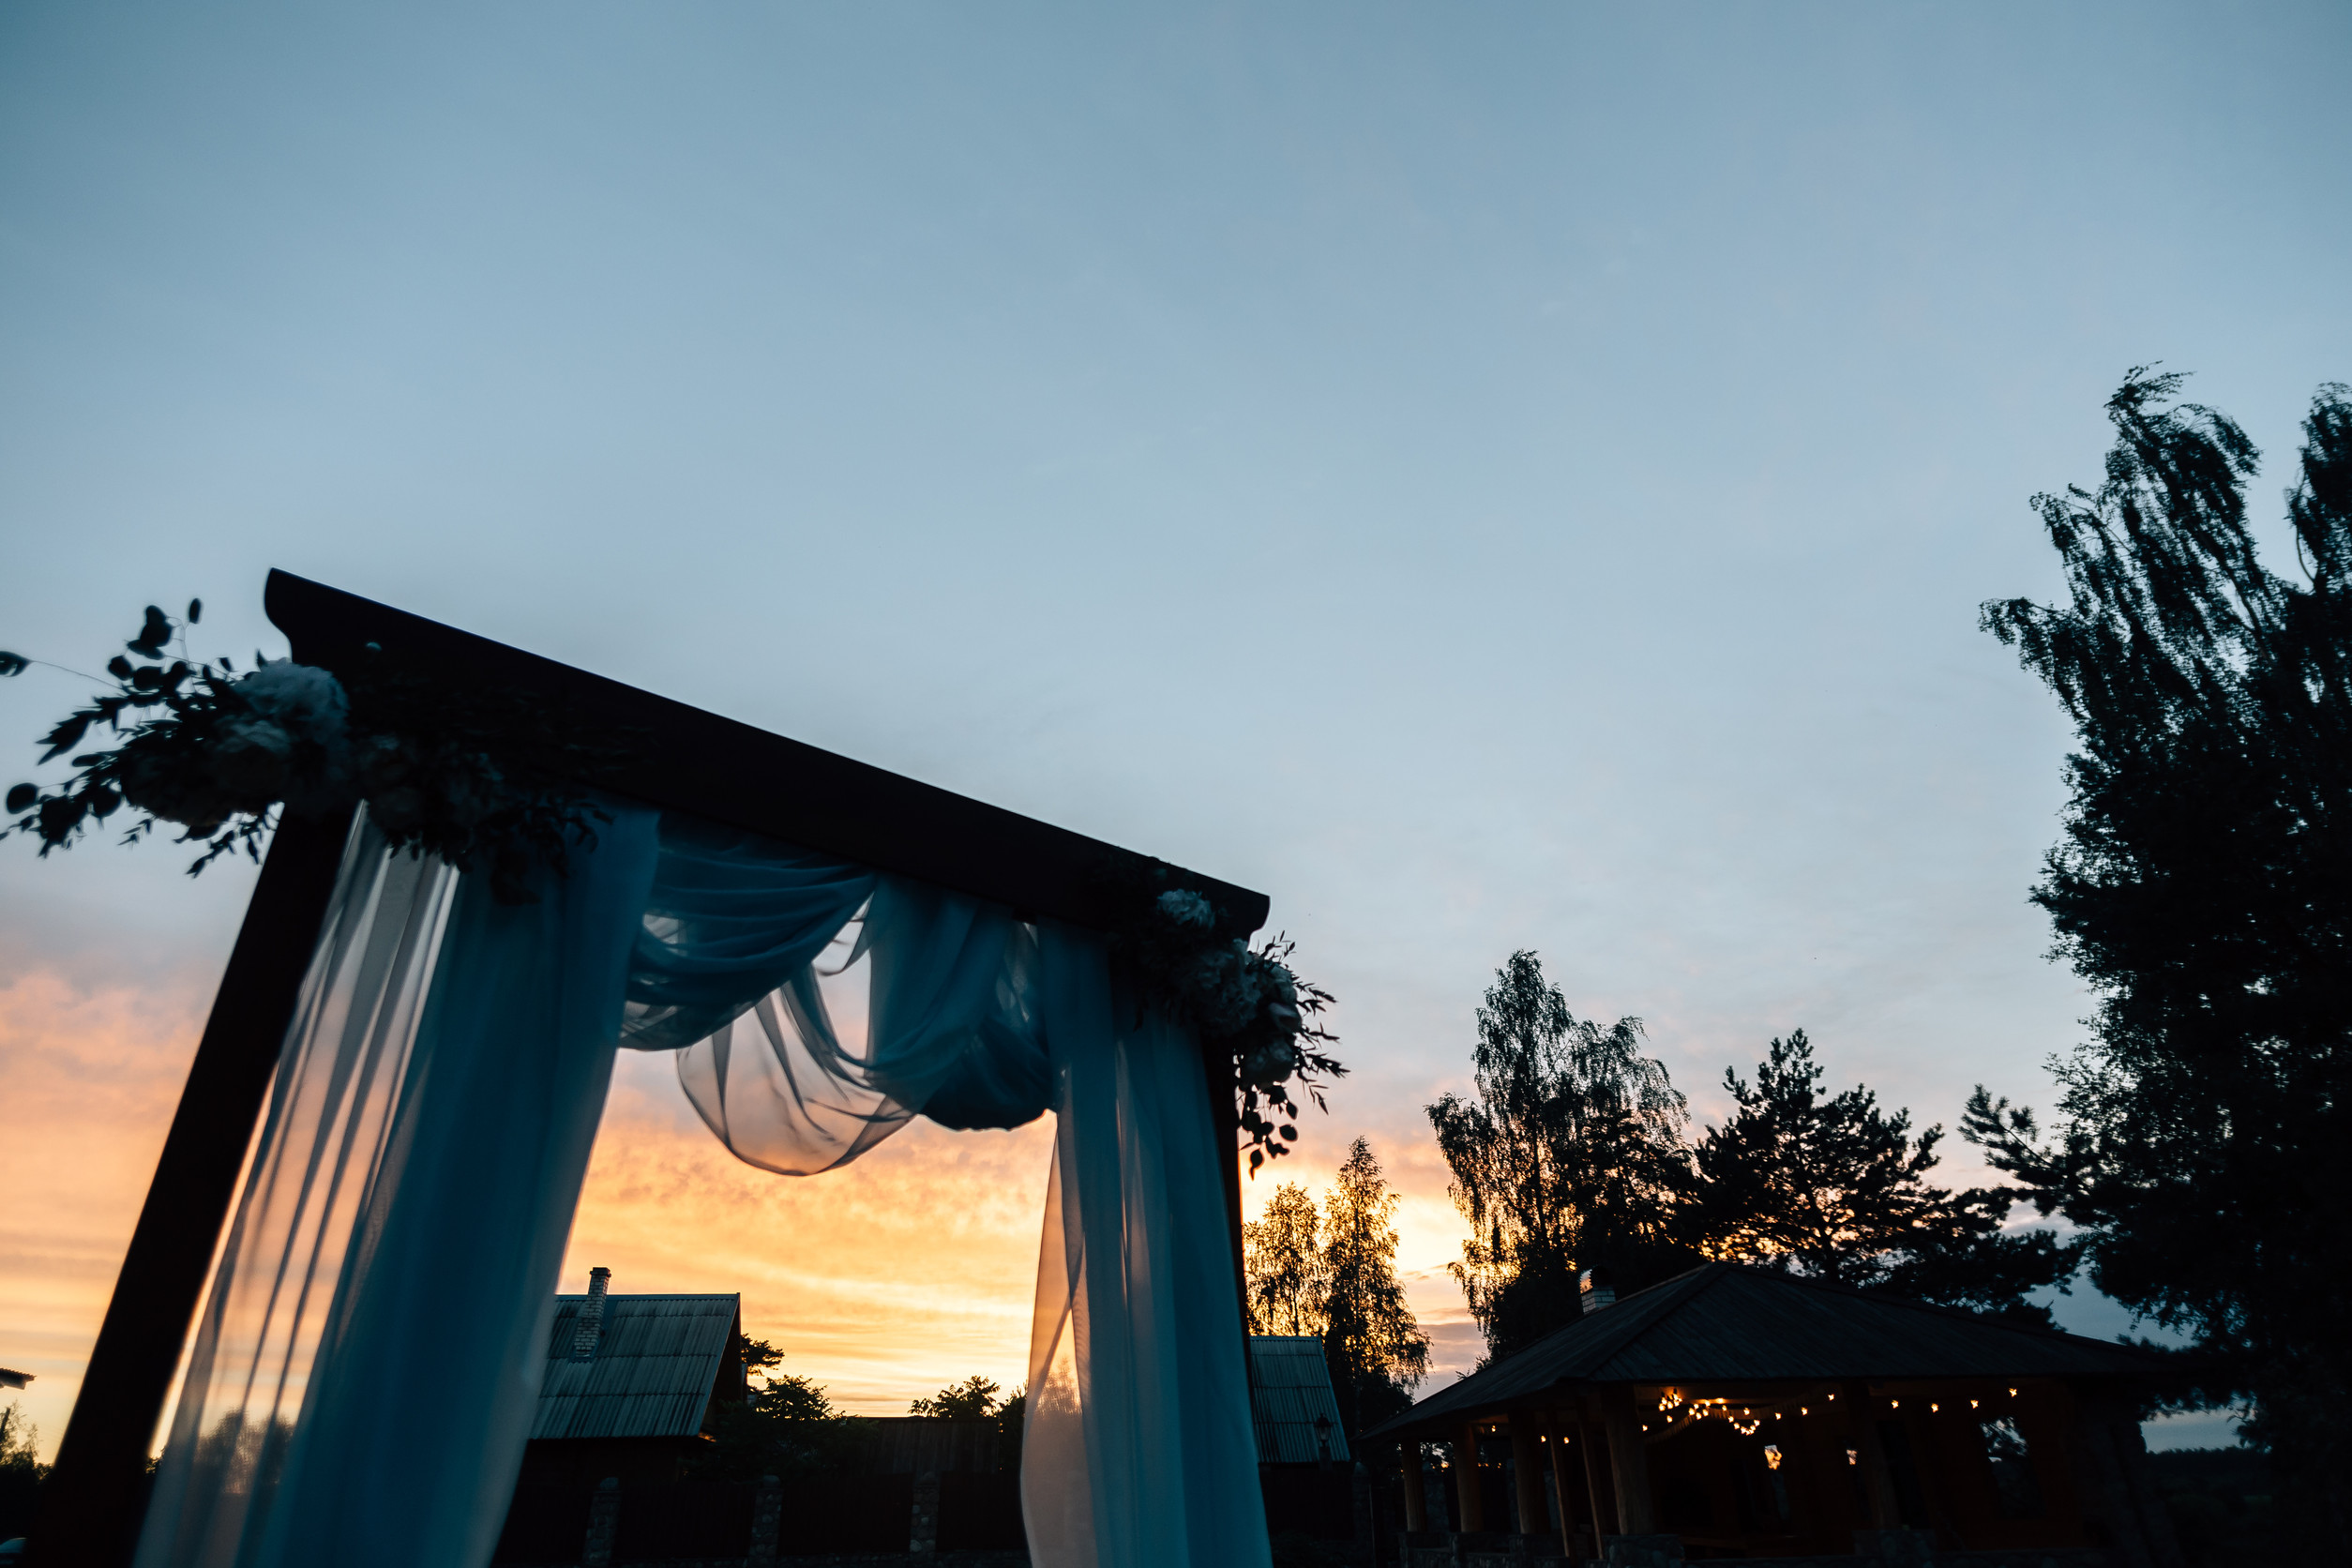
(365, 1372)
(418, 1171)
(323, 1144)
(728, 968)
(1140, 1449)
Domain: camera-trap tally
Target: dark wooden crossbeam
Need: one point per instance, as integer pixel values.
(731, 773)
(686, 760)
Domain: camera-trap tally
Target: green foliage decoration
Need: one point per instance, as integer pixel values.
(1177, 951)
(492, 781)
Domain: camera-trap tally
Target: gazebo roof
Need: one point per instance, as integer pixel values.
(1724, 1323)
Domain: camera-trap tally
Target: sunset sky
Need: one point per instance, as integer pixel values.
(1517, 476)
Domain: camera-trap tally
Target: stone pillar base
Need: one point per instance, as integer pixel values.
(922, 1533)
(767, 1521)
(604, 1524)
(1641, 1551)
(1895, 1546)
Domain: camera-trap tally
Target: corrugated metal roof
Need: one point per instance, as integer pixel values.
(1290, 1386)
(655, 1365)
(1724, 1323)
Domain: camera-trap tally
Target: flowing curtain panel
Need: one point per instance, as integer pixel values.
(1139, 1448)
(323, 1144)
(365, 1372)
(425, 1165)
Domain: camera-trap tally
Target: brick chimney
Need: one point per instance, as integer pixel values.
(589, 1327)
(1595, 1291)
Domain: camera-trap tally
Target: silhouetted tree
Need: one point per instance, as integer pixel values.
(1371, 1341)
(786, 1425)
(2203, 887)
(974, 1399)
(1282, 1262)
(1570, 1157)
(1833, 1187)
(1012, 1425)
(20, 1472)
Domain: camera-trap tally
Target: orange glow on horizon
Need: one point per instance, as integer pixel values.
(912, 1268)
(89, 1078)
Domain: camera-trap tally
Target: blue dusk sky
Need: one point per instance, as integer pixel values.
(1495, 477)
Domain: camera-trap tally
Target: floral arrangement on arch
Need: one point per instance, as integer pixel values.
(488, 780)
(1244, 1001)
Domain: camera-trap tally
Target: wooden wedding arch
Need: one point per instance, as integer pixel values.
(683, 758)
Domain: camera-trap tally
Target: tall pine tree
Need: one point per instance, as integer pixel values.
(1836, 1188)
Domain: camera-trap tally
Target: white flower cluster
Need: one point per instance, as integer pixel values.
(286, 703)
(1234, 991)
(250, 764)
(1187, 908)
(304, 698)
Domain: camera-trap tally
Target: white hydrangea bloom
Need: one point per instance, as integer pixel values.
(1187, 908)
(307, 701)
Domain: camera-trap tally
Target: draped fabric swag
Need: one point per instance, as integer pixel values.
(364, 1373)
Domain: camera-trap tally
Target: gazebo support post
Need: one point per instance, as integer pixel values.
(1466, 1480)
(1629, 1461)
(1863, 1429)
(1559, 1428)
(1596, 1487)
(2111, 1462)
(1527, 1474)
(1416, 1493)
(90, 1509)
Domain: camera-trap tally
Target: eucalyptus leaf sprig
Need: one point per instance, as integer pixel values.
(203, 748)
(489, 780)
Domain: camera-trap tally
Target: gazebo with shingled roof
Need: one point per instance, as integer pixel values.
(1737, 1412)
